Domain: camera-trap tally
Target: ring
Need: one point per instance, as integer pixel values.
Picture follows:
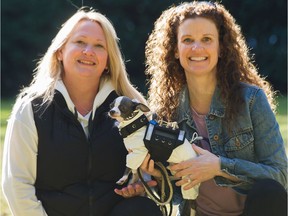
(189, 178)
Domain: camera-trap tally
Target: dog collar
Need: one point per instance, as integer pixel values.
(134, 126)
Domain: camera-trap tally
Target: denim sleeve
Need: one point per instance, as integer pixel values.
(270, 156)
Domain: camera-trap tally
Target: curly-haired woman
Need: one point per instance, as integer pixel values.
(202, 76)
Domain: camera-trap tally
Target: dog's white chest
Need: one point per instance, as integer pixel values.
(136, 148)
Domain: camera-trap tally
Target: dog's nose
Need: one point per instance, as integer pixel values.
(112, 112)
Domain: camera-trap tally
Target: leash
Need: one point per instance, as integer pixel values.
(162, 200)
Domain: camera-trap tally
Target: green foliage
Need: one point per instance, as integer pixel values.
(264, 24)
(29, 26)
(282, 118)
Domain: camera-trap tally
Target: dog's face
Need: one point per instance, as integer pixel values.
(124, 108)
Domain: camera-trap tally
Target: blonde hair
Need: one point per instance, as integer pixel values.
(167, 77)
(49, 68)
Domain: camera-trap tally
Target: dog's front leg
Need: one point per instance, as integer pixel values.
(134, 178)
(124, 178)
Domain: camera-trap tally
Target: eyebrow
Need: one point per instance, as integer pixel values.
(84, 36)
(208, 34)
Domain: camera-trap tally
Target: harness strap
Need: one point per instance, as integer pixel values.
(166, 186)
(134, 126)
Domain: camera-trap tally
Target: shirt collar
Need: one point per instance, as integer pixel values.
(105, 89)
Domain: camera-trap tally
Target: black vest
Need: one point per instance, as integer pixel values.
(76, 175)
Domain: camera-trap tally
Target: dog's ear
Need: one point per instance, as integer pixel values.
(135, 101)
(142, 107)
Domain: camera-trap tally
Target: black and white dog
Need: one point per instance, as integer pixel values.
(127, 111)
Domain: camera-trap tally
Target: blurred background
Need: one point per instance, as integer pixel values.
(27, 28)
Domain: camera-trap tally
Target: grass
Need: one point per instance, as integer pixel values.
(282, 118)
(6, 106)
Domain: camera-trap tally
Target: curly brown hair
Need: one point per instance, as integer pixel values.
(167, 76)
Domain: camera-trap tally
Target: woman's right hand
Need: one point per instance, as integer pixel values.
(148, 166)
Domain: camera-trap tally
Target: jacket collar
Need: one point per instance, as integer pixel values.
(217, 107)
(105, 89)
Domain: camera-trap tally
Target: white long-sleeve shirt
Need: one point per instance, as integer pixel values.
(20, 154)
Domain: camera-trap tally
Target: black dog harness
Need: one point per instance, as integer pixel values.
(160, 140)
(134, 126)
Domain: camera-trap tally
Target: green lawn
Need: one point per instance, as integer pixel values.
(282, 118)
(6, 106)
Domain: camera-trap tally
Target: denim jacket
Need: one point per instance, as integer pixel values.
(252, 149)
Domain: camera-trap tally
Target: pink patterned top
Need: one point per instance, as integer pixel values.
(214, 199)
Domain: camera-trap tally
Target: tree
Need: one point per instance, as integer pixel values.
(29, 26)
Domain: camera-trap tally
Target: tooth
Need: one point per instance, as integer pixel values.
(197, 58)
(86, 62)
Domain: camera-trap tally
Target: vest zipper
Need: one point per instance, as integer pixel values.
(90, 201)
(89, 176)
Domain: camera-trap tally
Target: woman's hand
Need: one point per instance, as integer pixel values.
(202, 168)
(147, 166)
(135, 189)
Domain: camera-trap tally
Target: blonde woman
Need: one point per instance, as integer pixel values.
(62, 153)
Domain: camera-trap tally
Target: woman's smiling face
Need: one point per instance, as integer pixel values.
(85, 52)
(198, 46)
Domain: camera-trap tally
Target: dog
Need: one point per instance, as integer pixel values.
(127, 111)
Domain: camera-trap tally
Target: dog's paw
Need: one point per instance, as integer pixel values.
(122, 180)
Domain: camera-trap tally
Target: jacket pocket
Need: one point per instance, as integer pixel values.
(241, 145)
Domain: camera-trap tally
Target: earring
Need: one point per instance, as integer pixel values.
(176, 56)
(106, 71)
(60, 61)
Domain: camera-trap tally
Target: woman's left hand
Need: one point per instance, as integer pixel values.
(135, 189)
(202, 168)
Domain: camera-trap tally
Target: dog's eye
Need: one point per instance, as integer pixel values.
(122, 108)
(111, 105)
